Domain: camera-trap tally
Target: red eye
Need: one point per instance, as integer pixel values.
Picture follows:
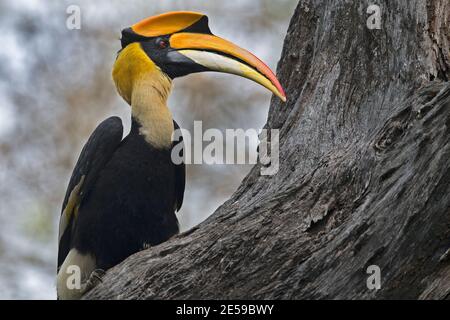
(163, 44)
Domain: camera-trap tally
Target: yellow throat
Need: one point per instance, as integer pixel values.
(142, 84)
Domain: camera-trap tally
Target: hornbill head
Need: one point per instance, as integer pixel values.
(180, 43)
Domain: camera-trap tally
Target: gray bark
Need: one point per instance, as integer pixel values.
(364, 173)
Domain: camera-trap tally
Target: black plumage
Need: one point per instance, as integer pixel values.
(127, 199)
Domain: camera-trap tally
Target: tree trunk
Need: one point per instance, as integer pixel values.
(364, 173)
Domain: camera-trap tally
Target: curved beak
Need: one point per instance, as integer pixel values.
(217, 54)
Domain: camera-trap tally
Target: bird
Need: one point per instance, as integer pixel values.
(124, 193)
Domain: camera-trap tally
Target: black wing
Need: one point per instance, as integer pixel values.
(95, 154)
(180, 175)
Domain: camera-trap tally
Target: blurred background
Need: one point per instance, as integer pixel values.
(55, 87)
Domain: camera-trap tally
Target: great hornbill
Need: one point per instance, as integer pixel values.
(123, 194)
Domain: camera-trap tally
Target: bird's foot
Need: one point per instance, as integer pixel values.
(94, 280)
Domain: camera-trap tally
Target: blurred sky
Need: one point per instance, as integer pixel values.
(55, 87)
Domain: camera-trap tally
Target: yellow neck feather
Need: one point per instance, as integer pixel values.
(146, 88)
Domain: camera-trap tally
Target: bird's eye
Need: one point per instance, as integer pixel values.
(162, 43)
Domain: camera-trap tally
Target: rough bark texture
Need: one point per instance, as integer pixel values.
(364, 176)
